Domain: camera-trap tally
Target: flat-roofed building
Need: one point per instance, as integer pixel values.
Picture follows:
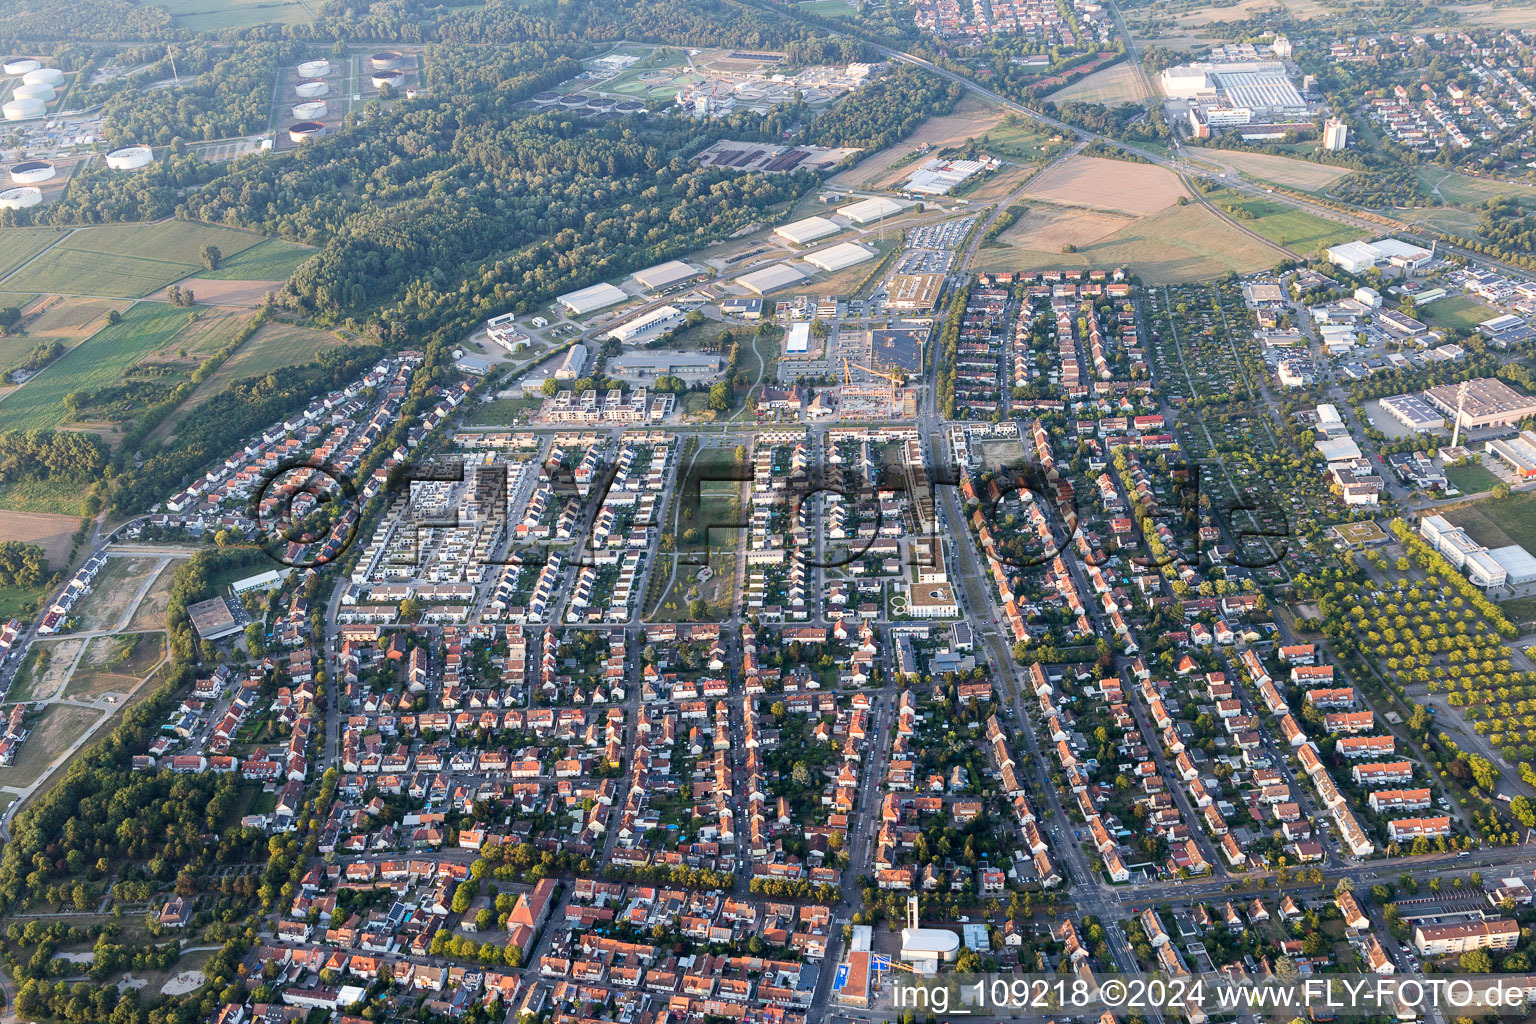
(914, 293)
(1519, 565)
(838, 257)
(1450, 939)
(1489, 402)
(769, 279)
(590, 300)
(665, 275)
(803, 232)
(648, 325)
(867, 211)
(1516, 452)
(213, 619)
(1413, 412)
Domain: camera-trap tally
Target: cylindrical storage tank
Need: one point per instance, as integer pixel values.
(31, 172)
(314, 69)
(571, 100)
(20, 198)
(390, 78)
(20, 110)
(545, 98)
(385, 60)
(309, 110)
(311, 90)
(130, 158)
(33, 91)
(21, 65)
(303, 131)
(43, 76)
(600, 103)
(629, 106)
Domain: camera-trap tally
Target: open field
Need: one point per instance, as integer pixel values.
(1285, 225)
(113, 591)
(1302, 174)
(248, 294)
(1456, 311)
(46, 669)
(59, 726)
(1472, 479)
(114, 664)
(111, 260)
(1048, 228)
(211, 15)
(1115, 185)
(54, 316)
(17, 245)
(105, 357)
(274, 347)
(1245, 9)
(213, 329)
(1463, 190)
(1496, 523)
(54, 534)
(828, 8)
(972, 118)
(271, 259)
(1505, 16)
(150, 614)
(56, 497)
(1111, 86)
(1179, 245)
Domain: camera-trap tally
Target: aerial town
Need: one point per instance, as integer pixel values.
(776, 514)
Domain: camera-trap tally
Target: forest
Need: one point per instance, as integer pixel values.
(1508, 225)
(886, 110)
(42, 453)
(1398, 186)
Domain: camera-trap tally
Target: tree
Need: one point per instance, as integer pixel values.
(1476, 961)
(1500, 491)
(551, 387)
(114, 317)
(211, 256)
(409, 609)
(719, 396)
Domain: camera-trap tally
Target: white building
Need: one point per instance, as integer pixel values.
(648, 325)
(801, 232)
(1335, 135)
(589, 300)
(868, 211)
(838, 257)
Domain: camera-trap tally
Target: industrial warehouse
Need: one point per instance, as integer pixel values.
(1484, 402)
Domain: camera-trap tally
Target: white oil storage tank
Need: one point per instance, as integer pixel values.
(379, 79)
(309, 110)
(43, 76)
(314, 69)
(303, 131)
(30, 172)
(130, 158)
(312, 90)
(20, 198)
(33, 91)
(22, 109)
(20, 65)
(384, 60)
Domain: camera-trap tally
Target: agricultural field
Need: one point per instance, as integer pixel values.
(1298, 174)
(111, 260)
(1048, 228)
(271, 259)
(1111, 86)
(53, 497)
(53, 533)
(1456, 311)
(212, 15)
(1115, 185)
(55, 316)
(1181, 244)
(18, 245)
(273, 347)
(106, 356)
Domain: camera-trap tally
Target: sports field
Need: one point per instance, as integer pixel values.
(1456, 311)
(1115, 185)
(104, 357)
(125, 260)
(271, 259)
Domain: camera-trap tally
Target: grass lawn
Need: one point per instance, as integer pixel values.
(112, 260)
(18, 602)
(501, 411)
(18, 245)
(828, 8)
(1294, 229)
(1494, 523)
(1456, 311)
(1470, 479)
(271, 259)
(106, 356)
(1462, 190)
(211, 15)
